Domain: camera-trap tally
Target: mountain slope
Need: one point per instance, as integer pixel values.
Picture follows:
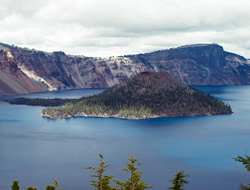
(12, 79)
(147, 95)
(200, 64)
(206, 64)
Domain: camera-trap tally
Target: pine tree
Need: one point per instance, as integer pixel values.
(15, 185)
(134, 182)
(31, 188)
(55, 181)
(246, 163)
(102, 182)
(50, 187)
(243, 187)
(179, 181)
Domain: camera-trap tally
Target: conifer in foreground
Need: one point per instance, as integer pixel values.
(15, 185)
(134, 182)
(102, 182)
(179, 181)
(32, 188)
(246, 162)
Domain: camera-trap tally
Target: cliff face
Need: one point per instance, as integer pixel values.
(23, 70)
(12, 79)
(200, 65)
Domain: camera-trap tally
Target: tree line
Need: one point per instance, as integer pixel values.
(40, 101)
(134, 182)
(136, 98)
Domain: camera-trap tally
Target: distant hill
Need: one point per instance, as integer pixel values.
(25, 70)
(147, 95)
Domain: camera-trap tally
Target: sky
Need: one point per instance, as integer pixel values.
(103, 28)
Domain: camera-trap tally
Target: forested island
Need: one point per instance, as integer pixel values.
(146, 95)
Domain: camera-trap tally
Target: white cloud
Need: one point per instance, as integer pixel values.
(117, 27)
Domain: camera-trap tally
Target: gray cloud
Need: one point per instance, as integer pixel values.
(117, 27)
(25, 8)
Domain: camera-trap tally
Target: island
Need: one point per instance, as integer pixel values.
(146, 95)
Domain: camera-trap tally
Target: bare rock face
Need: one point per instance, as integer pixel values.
(204, 64)
(23, 70)
(12, 79)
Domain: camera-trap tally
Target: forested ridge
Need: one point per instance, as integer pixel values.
(148, 94)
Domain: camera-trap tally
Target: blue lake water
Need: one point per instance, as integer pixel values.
(34, 149)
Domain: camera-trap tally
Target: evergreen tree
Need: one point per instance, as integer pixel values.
(179, 181)
(55, 181)
(134, 182)
(15, 185)
(242, 187)
(102, 182)
(31, 188)
(246, 162)
(50, 187)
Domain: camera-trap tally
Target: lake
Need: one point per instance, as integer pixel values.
(34, 149)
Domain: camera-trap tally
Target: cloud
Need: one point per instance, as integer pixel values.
(117, 27)
(25, 8)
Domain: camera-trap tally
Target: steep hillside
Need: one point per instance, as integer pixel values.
(60, 71)
(206, 64)
(147, 95)
(12, 79)
(201, 64)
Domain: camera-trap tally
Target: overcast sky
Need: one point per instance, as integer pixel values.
(118, 27)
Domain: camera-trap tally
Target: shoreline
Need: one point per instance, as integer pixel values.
(101, 116)
(132, 117)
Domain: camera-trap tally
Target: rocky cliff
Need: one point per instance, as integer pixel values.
(201, 64)
(12, 79)
(23, 70)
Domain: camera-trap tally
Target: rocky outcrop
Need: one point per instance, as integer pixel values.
(12, 79)
(23, 70)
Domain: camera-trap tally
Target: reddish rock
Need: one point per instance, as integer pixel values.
(202, 64)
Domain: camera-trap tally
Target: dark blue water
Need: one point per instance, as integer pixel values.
(34, 149)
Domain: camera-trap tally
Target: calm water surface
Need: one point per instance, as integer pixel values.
(34, 149)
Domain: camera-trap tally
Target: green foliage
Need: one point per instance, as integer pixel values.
(32, 188)
(50, 187)
(15, 185)
(242, 187)
(103, 181)
(146, 95)
(141, 112)
(40, 101)
(134, 182)
(179, 181)
(48, 111)
(55, 181)
(246, 162)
